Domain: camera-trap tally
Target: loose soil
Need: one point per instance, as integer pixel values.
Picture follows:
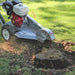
(28, 50)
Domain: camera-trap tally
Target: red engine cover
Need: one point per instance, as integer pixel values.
(16, 20)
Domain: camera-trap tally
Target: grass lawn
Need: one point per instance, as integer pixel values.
(73, 48)
(57, 15)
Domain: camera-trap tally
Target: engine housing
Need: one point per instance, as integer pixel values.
(20, 9)
(16, 20)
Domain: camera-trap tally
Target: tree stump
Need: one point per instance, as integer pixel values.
(50, 58)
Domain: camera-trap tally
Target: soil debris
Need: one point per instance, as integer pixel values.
(23, 53)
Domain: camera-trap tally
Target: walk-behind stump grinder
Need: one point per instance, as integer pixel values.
(21, 24)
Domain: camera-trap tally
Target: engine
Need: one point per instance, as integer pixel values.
(16, 20)
(20, 11)
(16, 11)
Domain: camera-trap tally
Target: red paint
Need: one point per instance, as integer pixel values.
(16, 20)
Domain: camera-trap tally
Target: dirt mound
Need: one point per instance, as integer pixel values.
(67, 47)
(51, 54)
(27, 50)
(50, 58)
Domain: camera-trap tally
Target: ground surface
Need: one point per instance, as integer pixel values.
(17, 56)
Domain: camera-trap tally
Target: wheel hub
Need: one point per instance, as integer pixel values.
(6, 34)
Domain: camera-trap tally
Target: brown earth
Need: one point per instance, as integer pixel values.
(29, 48)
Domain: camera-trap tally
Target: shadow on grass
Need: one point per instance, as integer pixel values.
(59, 0)
(48, 10)
(62, 9)
(47, 0)
(50, 14)
(49, 18)
(62, 25)
(66, 7)
(36, 0)
(61, 28)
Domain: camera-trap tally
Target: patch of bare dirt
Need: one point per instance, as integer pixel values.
(67, 47)
(29, 48)
(6, 46)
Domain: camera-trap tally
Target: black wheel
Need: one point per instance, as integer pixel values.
(2, 19)
(7, 31)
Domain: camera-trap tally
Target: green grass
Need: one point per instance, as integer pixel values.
(70, 73)
(4, 66)
(73, 48)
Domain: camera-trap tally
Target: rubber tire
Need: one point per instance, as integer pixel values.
(2, 19)
(10, 29)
